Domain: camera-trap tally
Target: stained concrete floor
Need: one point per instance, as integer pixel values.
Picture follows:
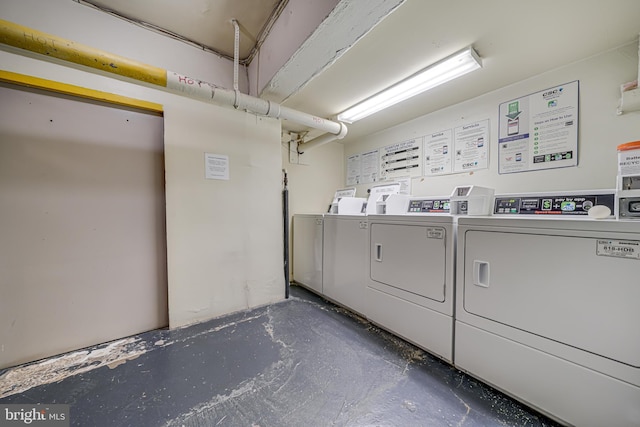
(300, 362)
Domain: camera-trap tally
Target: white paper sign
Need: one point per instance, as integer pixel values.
(216, 166)
(539, 131)
(369, 167)
(401, 159)
(470, 142)
(438, 153)
(354, 166)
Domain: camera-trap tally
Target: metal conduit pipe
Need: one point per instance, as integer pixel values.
(55, 49)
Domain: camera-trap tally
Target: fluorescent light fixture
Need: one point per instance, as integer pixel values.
(454, 66)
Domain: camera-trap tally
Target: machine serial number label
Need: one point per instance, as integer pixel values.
(619, 248)
(435, 233)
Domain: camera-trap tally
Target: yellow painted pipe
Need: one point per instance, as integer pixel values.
(46, 44)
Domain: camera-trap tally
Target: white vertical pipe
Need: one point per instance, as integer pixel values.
(236, 52)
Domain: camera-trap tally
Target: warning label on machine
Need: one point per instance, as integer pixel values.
(618, 248)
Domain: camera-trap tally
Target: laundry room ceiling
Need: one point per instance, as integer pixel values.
(207, 23)
(516, 41)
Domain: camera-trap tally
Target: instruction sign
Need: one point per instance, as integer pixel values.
(401, 159)
(438, 153)
(470, 142)
(362, 168)
(539, 131)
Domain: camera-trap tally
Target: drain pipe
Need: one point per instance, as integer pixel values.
(285, 224)
(236, 53)
(55, 49)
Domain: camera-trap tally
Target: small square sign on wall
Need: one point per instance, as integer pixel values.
(216, 166)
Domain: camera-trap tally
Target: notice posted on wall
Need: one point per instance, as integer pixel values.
(362, 168)
(401, 159)
(470, 142)
(216, 166)
(354, 169)
(370, 171)
(438, 153)
(539, 131)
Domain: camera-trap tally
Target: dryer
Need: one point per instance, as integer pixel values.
(410, 281)
(547, 310)
(308, 239)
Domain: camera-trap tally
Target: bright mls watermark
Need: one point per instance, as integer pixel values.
(34, 415)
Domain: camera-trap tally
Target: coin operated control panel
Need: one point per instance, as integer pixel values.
(554, 204)
(421, 206)
(471, 200)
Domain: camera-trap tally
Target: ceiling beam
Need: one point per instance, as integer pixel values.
(347, 23)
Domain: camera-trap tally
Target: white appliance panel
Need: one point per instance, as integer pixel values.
(422, 326)
(410, 279)
(546, 310)
(555, 286)
(558, 387)
(410, 257)
(345, 260)
(307, 250)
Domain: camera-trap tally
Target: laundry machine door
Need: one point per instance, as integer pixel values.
(410, 257)
(557, 285)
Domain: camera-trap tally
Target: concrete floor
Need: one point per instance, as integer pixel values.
(301, 362)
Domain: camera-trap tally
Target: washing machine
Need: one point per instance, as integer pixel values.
(547, 307)
(308, 230)
(308, 239)
(346, 249)
(345, 260)
(410, 281)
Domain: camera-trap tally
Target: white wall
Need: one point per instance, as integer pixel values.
(600, 130)
(224, 238)
(219, 259)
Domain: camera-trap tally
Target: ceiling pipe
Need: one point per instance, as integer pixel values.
(56, 49)
(321, 140)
